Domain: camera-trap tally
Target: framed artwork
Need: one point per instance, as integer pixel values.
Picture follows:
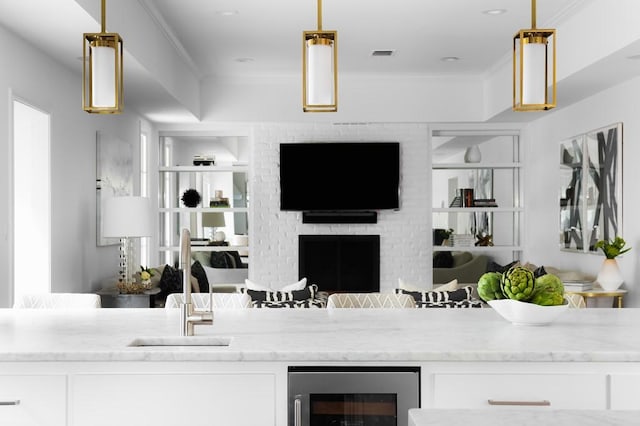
(114, 176)
(591, 188)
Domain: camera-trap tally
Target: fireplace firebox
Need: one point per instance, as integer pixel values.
(340, 263)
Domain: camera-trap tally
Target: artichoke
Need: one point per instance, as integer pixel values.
(518, 283)
(489, 286)
(549, 291)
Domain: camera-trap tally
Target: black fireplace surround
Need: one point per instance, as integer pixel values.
(340, 263)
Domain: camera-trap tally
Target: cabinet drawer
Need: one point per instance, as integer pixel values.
(33, 400)
(625, 389)
(575, 391)
(172, 399)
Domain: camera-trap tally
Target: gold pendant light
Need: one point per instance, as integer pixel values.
(102, 90)
(534, 68)
(320, 69)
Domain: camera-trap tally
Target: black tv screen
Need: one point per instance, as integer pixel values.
(339, 176)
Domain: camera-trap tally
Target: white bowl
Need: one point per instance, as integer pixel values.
(523, 313)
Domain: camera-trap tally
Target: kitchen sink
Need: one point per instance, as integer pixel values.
(181, 341)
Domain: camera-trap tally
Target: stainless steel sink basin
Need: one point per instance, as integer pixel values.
(181, 341)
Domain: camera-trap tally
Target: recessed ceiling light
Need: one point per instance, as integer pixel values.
(244, 60)
(227, 12)
(380, 52)
(494, 12)
(450, 59)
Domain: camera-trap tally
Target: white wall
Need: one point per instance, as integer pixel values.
(77, 264)
(541, 144)
(405, 235)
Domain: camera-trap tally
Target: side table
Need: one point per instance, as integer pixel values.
(112, 298)
(617, 295)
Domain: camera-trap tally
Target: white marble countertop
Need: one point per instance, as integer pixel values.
(607, 335)
(522, 417)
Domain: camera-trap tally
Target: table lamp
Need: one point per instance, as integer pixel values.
(214, 220)
(127, 218)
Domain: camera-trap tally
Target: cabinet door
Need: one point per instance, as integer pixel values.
(172, 399)
(33, 400)
(573, 391)
(625, 389)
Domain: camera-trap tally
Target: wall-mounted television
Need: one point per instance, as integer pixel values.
(339, 176)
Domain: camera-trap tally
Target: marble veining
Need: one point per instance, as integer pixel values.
(522, 417)
(600, 335)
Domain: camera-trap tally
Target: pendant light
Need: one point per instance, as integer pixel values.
(102, 90)
(534, 68)
(320, 69)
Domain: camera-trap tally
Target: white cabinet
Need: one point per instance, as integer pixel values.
(489, 220)
(567, 391)
(625, 391)
(173, 399)
(33, 400)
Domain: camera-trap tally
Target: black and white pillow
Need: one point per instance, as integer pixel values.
(309, 292)
(435, 296)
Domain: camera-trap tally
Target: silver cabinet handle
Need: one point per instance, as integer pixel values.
(543, 403)
(14, 402)
(297, 412)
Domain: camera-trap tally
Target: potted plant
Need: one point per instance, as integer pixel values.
(609, 276)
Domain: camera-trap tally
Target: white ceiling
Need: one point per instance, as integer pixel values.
(420, 31)
(269, 33)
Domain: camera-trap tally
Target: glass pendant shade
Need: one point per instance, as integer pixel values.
(320, 77)
(534, 70)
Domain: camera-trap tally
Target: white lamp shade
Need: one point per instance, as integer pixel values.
(104, 76)
(320, 76)
(127, 217)
(534, 71)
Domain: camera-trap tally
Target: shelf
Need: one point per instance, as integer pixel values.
(205, 169)
(477, 248)
(203, 209)
(477, 209)
(472, 166)
(204, 248)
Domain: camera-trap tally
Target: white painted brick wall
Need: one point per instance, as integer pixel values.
(404, 234)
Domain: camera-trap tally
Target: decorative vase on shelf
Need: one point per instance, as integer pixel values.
(472, 154)
(609, 276)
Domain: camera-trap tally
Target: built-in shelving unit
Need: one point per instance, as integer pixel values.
(498, 176)
(227, 176)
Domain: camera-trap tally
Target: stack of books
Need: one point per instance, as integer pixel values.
(485, 202)
(578, 285)
(462, 240)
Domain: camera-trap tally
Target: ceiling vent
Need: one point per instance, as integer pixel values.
(383, 52)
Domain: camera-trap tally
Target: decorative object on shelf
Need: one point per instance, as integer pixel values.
(467, 197)
(191, 198)
(319, 68)
(127, 218)
(102, 87)
(462, 240)
(591, 188)
(610, 277)
(484, 240)
(219, 200)
(472, 154)
(534, 67)
(213, 221)
(441, 236)
(204, 160)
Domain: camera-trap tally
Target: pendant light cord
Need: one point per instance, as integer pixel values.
(533, 14)
(104, 16)
(319, 15)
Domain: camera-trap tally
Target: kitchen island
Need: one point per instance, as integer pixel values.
(87, 373)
